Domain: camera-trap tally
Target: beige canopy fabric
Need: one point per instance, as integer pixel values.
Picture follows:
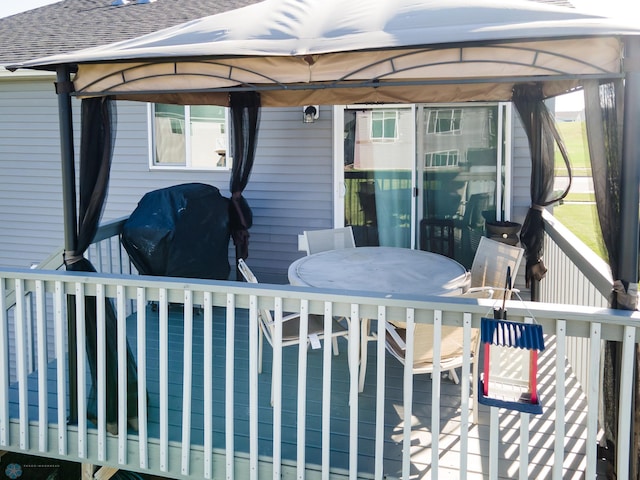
(297, 52)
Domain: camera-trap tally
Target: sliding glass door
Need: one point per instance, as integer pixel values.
(413, 173)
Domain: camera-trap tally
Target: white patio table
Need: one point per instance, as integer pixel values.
(387, 270)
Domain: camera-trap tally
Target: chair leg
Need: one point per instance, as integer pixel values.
(260, 346)
(335, 346)
(454, 376)
(364, 339)
(474, 384)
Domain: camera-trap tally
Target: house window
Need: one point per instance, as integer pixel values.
(445, 120)
(192, 137)
(447, 158)
(384, 125)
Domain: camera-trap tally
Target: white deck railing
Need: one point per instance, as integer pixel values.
(576, 275)
(106, 253)
(22, 429)
(107, 256)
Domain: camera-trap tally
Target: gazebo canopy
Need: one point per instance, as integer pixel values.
(336, 52)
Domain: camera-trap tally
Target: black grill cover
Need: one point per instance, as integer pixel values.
(180, 231)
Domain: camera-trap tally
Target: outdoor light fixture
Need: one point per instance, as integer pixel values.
(310, 113)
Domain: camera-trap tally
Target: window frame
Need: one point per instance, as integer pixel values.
(452, 159)
(393, 115)
(187, 166)
(437, 121)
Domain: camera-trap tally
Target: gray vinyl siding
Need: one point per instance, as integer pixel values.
(30, 186)
(521, 172)
(520, 195)
(291, 187)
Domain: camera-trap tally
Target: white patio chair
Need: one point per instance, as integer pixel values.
(451, 347)
(329, 239)
(490, 264)
(488, 280)
(291, 326)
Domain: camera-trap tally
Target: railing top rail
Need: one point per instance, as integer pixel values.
(544, 313)
(109, 229)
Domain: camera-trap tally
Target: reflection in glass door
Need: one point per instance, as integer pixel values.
(458, 153)
(379, 158)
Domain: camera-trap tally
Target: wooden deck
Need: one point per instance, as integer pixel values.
(540, 460)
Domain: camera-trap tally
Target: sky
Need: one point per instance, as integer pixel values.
(11, 7)
(628, 9)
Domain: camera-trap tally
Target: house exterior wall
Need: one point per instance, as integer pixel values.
(30, 186)
(521, 173)
(290, 189)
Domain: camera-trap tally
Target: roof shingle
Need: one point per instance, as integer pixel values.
(75, 24)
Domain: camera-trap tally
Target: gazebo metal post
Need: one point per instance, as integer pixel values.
(537, 179)
(64, 87)
(629, 207)
(630, 168)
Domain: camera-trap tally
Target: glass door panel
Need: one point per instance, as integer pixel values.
(379, 159)
(458, 156)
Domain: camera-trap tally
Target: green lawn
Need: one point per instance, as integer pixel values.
(580, 197)
(580, 218)
(574, 134)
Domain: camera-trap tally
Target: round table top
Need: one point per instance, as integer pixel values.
(387, 270)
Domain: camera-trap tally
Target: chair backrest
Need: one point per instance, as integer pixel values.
(451, 346)
(489, 268)
(246, 272)
(436, 235)
(265, 315)
(330, 239)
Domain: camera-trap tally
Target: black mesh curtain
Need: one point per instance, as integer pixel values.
(542, 134)
(604, 116)
(96, 148)
(245, 117)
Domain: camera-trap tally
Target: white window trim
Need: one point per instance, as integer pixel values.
(383, 138)
(437, 112)
(454, 152)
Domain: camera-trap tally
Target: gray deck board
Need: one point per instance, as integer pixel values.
(540, 452)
